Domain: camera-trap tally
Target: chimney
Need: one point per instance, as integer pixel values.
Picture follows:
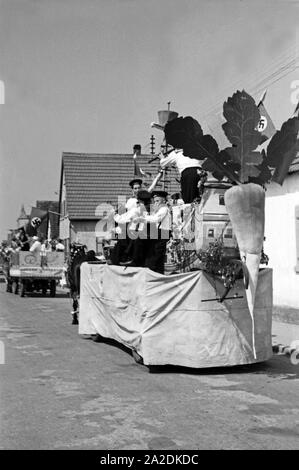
(137, 149)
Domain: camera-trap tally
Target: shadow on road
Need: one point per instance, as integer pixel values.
(279, 366)
(59, 295)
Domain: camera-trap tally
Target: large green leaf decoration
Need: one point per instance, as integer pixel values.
(265, 174)
(222, 166)
(283, 148)
(242, 116)
(183, 131)
(240, 163)
(186, 134)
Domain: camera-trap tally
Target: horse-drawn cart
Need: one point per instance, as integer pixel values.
(29, 272)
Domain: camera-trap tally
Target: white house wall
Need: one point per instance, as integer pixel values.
(280, 243)
(84, 232)
(64, 228)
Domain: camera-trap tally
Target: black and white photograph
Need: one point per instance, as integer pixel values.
(149, 229)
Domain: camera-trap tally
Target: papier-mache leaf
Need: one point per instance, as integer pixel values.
(242, 116)
(283, 148)
(182, 131)
(265, 174)
(186, 133)
(222, 166)
(207, 147)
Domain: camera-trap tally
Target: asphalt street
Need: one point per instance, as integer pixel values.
(62, 391)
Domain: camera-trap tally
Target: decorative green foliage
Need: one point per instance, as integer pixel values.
(242, 116)
(264, 173)
(242, 162)
(186, 134)
(183, 133)
(221, 165)
(283, 148)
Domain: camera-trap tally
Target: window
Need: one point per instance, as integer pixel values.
(221, 200)
(211, 233)
(228, 233)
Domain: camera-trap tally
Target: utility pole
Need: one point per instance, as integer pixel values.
(165, 181)
(152, 145)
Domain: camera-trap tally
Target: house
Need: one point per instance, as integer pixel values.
(282, 237)
(90, 184)
(213, 220)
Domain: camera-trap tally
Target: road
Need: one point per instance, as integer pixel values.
(61, 391)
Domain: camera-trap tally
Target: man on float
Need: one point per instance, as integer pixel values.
(135, 184)
(160, 224)
(139, 232)
(120, 252)
(189, 170)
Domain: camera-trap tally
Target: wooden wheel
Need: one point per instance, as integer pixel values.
(22, 289)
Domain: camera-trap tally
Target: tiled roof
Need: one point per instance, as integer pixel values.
(93, 179)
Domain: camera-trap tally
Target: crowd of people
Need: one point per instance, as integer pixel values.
(144, 229)
(20, 241)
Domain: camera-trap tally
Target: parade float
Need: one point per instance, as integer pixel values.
(214, 308)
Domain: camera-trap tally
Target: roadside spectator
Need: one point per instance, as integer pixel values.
(36, 245)
(46, 247)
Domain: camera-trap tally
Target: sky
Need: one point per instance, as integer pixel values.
(90, 76)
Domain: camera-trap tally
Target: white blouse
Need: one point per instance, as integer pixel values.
(177, 158)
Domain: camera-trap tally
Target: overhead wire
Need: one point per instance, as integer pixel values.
(285, 63)
(273, 65)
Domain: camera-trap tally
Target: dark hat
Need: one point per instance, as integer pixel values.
(143, 195)
(159, 193)
(175, 196)
(135, 180)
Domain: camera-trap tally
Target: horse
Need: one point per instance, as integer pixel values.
(78, 255)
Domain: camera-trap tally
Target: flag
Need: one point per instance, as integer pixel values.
(265, 124)
(37, 216)
(138, 171)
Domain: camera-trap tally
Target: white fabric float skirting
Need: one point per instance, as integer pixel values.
(167, 320)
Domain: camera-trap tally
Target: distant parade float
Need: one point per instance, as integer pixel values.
(213, 305)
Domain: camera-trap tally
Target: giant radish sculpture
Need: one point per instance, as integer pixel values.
(246, 166)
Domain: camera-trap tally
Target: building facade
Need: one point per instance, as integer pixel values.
(282, 238)
(90, 184)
